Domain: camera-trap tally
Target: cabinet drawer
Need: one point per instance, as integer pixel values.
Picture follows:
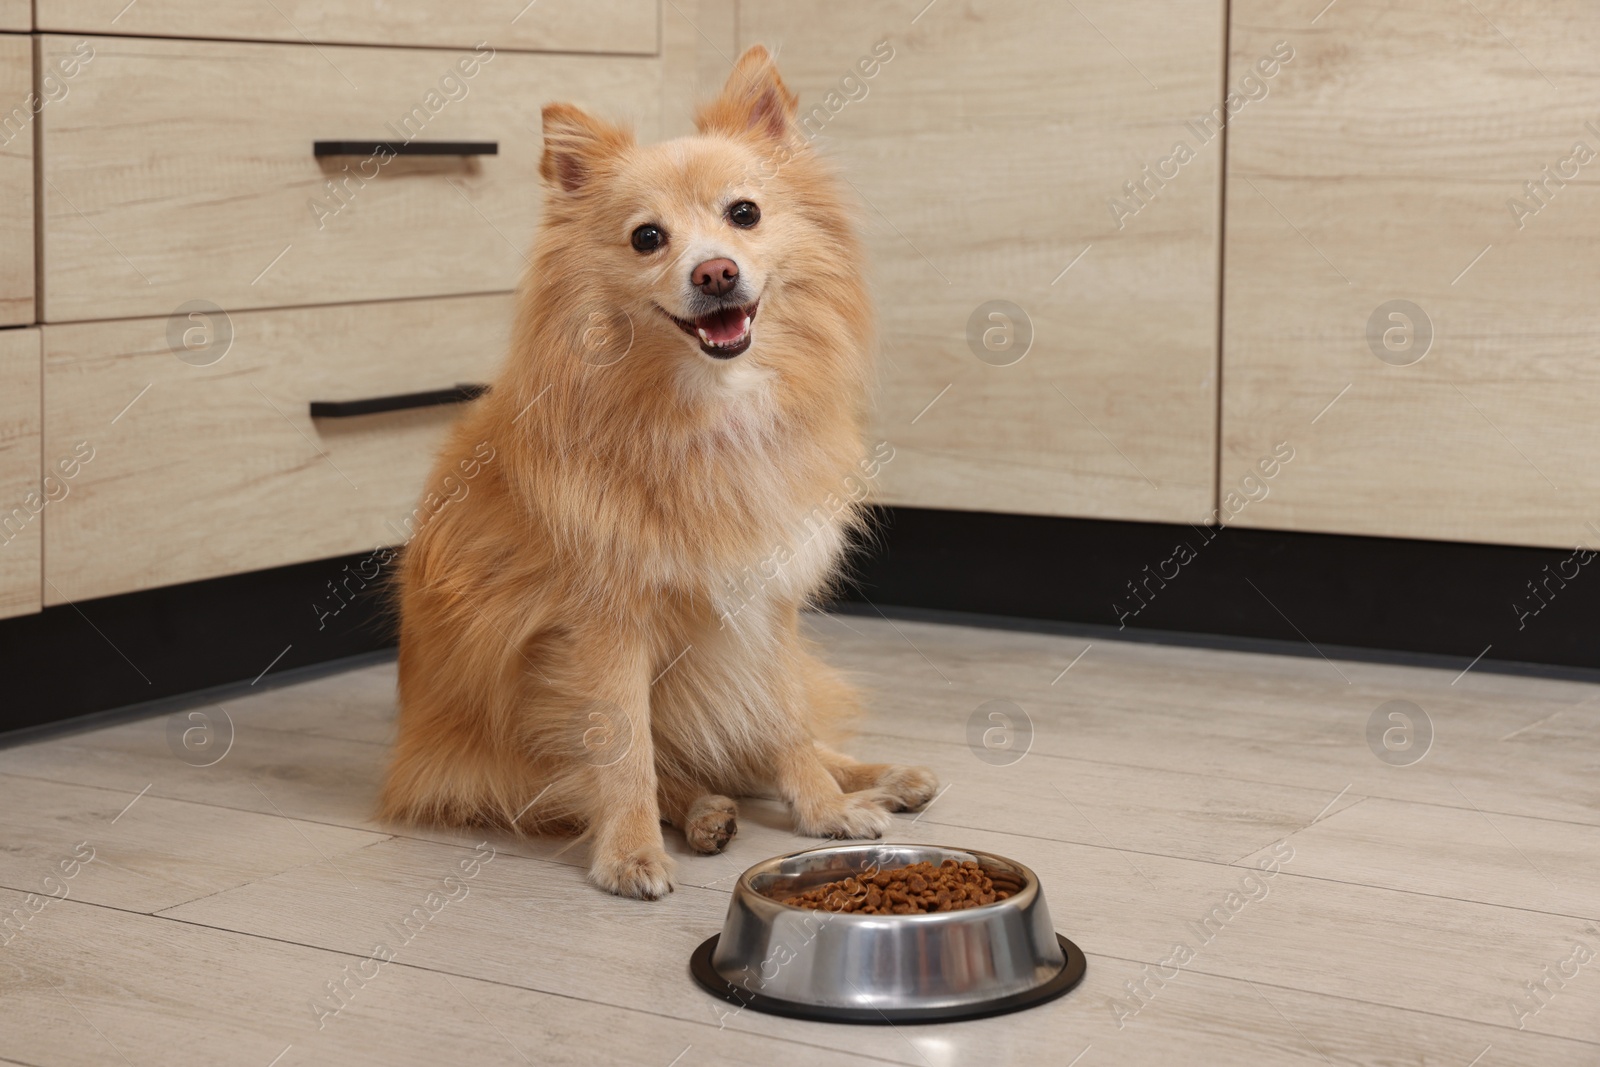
(182, 170)
(547, 25)
(22, 500)
(201, 471)
(20, 112)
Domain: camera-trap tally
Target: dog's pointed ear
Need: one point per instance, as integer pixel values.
(576, 145)
(754, 100)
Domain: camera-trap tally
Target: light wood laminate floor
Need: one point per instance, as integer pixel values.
(1421, 907)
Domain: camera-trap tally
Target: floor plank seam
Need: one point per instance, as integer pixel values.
(1009, 833)
(1320, 818)
(369, 828)
(1367, 794)
(712, 1003)
(957, 745)
(288, 732)
(1354, 1000)
(1292, 874)
(1179, 642)
(708, 886)
(265, 878)
(625, 1007)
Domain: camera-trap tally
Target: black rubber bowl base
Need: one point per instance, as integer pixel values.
(1069, 975)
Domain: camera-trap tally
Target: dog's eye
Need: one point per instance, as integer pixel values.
(648, 238)
(744, 214)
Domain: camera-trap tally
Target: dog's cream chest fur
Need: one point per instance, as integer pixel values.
(791, 570)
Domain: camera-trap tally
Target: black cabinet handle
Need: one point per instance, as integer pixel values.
(405, 148)
(344, 409)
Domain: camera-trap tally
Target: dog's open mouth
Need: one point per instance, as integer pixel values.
(723, 333)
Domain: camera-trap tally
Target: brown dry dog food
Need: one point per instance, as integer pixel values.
(914, 889)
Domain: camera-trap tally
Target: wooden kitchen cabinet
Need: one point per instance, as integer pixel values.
(183, 170)
(206, 458)
(17, 120)
(994, 147)
(541, 25)
(1413, 245)
(23, 498)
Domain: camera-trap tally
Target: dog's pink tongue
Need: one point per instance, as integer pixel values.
(724, 325)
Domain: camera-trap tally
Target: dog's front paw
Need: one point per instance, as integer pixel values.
(906, 788)
(711, 823)
(849, 815)
(643, 873)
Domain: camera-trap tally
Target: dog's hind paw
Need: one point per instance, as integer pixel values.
(644, 874)
(851, 815)
(711, 823)
(905, 788)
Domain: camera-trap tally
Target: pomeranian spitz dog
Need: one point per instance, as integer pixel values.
(686, 389)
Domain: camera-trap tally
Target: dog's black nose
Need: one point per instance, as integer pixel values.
(715, 277)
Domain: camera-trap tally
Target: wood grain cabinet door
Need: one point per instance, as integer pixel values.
(23, 499)
(198, 453)
(186, 170)
(1041, 193)
(19, 111)
(625, 26)
(1412, 270)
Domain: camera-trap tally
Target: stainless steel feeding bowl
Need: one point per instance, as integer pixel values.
(850, 967)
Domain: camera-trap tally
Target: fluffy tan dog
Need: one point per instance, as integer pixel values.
(582, 647)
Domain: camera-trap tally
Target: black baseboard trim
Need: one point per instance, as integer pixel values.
(141, 648)
(1425, 603)
(1419, 603)
(1093, 632)
(212, 696)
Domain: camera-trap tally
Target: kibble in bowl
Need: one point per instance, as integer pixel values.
(914, 889)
